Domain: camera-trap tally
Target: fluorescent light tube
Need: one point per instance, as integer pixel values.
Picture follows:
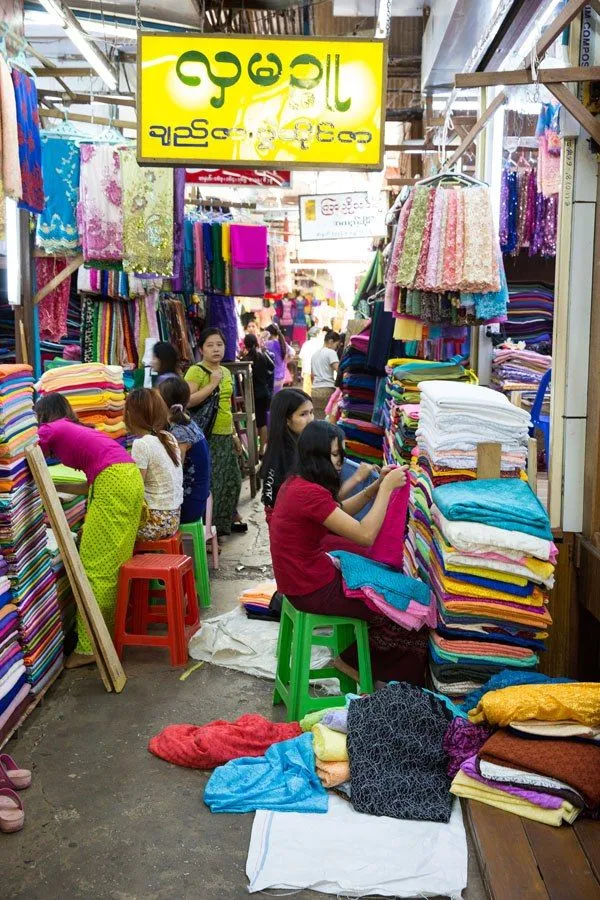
(64, 17)
(13, 255)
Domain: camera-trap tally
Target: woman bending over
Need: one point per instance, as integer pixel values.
(115, 501)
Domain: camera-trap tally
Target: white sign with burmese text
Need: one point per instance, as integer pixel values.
(330, 217)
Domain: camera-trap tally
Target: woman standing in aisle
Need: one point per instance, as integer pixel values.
(165, 361)
(204, 379)
(263, 371)
(306, 512)
(116, 498)
(281, 352)
(324, 366)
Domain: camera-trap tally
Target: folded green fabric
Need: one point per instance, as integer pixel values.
(501, 502)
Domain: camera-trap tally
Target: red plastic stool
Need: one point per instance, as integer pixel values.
(177, 573)
(172, 545)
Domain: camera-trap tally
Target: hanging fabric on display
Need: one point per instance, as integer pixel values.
(54, 306)
(100, 208)
(147, 217)
(10, 170)
(57, 230)
(30, 148)
(178, 235)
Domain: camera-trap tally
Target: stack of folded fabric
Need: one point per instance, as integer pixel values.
(14, 687)
(515, 369)
(402, 397)
(23, 535)
(544, 761)
(402, 599)
(331, 751)
(257, 601)
(530, 315)
(64, 594)
(95, 391)
(364, 439)
(490, 567)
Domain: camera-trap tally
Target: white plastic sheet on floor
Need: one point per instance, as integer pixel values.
(246, 645)
(354, 855)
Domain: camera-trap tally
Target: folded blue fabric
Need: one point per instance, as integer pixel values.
(284, 779)
(502, 502)
(508, 678)
(397, 589)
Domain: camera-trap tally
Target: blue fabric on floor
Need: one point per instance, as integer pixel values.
(502, 502)
(508, 678)
(284, 779)
(397, 589)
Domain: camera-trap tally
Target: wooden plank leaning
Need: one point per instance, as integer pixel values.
(108, 662)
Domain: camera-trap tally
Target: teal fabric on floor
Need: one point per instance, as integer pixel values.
(284, 779)
(507, 503)
(395, 587)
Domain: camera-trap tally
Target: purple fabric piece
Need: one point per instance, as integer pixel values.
(178, 216)
(221, 314)
(337, 720)
(249, 246)
(248, 282)
(546, 801)
(461, 740)
(539, 225)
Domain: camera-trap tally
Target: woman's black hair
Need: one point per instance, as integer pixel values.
(280, 455)
(167, 356)
(251, 345)
(52, 407)
(314, 455)
(176, 394)
(276, 332)
(208, 333)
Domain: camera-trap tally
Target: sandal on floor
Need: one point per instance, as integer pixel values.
(239, 527)
(12, 817)
(19, 779)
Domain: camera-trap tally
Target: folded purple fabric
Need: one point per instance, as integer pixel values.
(249, 246)
(337, 720)
(546, 801)
(248, 282)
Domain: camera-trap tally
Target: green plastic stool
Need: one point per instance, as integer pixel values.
(296, 639)
(196, 531)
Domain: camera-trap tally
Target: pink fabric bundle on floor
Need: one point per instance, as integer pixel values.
(211, 745)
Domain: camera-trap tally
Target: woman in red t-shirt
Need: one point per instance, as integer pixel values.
(306, 511)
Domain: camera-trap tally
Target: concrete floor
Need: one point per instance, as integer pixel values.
(107, 820)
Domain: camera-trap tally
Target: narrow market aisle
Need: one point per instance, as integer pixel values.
(106, 819)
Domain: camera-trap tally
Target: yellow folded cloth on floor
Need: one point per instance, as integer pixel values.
(329, 746)
(466, 787)
(579, 702)
(333, 774)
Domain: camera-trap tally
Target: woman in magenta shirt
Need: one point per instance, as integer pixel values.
(116, 497)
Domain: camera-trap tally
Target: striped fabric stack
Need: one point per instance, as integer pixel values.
(23, 535)
(364, 439)
(14, 687)
(95, 391)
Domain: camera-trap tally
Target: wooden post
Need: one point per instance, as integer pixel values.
(489, 458)
(58, 279)
(532, 464)
(108, 662)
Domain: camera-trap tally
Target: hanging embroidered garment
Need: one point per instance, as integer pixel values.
(407, 268)
(10, 171)
(178, 219)
(30, 148)
(480, 268)
(99, 212)
(53, 307)
(57, 230)
(147, 217)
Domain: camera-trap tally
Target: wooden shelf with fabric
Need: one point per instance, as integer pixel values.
(244, 415)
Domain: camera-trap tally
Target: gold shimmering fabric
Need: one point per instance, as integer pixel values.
(413, 240)
(480, 263)
(578, 702)
(147, 217)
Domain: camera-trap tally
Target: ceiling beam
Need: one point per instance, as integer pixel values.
(587, 121)
(121, 124)
(558, 25)
(476, 129)
(85, 99)
(525, 76)
(66, 72)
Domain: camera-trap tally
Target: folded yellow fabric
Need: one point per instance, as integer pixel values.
(579, 702)
(329, 746)
(333, 774)
(463, 786)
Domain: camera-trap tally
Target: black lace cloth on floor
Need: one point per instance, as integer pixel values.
(397, 759)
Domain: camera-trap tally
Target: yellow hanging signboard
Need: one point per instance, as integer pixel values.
(260, 101)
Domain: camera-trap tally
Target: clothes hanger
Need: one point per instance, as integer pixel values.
(66, 129)
(453, 178)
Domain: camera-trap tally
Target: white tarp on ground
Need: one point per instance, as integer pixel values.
(353, 855)
(246, 645)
